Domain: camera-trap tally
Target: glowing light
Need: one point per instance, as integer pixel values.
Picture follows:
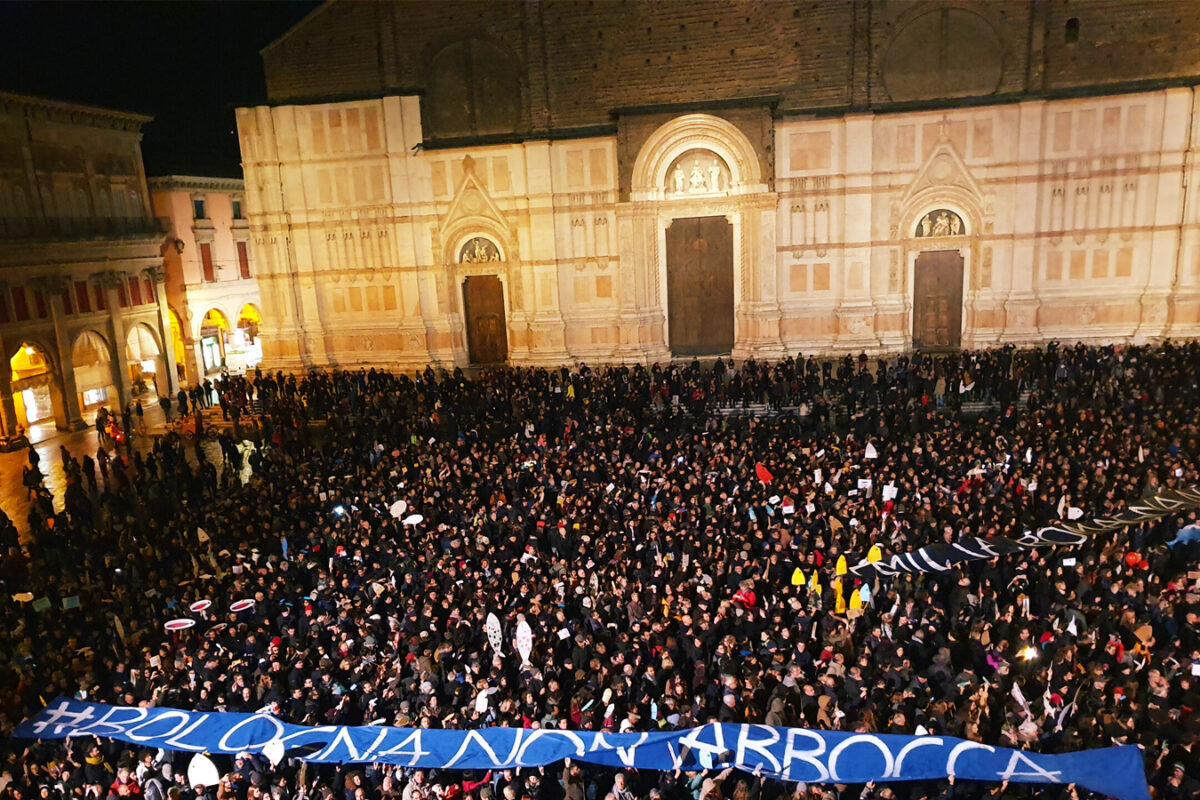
(339, 509)
(29, 350)
(1029, 653)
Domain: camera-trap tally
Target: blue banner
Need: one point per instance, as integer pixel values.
(789, 754)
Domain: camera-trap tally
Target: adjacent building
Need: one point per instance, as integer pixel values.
(83, 314)
(210, 286)
(545, 181)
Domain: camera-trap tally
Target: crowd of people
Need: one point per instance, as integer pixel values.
(620, 512)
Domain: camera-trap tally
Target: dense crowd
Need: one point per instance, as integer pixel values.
(620, 512)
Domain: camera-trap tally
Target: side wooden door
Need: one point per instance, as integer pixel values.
(483, 306)
(937, 300)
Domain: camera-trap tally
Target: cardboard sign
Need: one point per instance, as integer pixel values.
(494, 635)
(524, 641)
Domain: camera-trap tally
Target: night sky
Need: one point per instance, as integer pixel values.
(187, 64)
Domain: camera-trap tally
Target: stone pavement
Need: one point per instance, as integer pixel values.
(14, 499)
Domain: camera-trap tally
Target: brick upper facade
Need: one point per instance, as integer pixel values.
(538, 66)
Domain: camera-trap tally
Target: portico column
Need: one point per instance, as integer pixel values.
(52, 288)
(8, 409)
(159, 276)
(120, 363)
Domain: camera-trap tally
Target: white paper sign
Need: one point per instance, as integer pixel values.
(818, 476)
(889, 492)
(398, 508)
(563, 634)
(810, 508)
(871, 452)
(1074, 513)
(494, 635)
(273, 750)
(864, 483)
(1069, 562)
(524, 641)
(202, 771)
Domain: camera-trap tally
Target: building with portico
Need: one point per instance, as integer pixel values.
(83, 315)
(211, 290)
(543, 182)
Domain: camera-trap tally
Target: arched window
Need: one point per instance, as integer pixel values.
(473, 89)
(1072, 31)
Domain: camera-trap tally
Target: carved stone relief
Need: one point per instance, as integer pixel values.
(940, 222)
(479, 250)
(698, 172)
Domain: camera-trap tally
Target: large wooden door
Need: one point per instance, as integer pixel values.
(700, 286)
(483, 306)
(937, 300)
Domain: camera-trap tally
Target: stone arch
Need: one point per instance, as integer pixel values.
(963, 202)
(36, 385)
(455, 239)
(695, 132)
(211, 331)
(146, 359)
(91, 359)
(473, 88)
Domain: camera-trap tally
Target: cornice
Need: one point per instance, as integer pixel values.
(193, 183)
(73, 113)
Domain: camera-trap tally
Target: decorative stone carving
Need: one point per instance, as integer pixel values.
(478, 251)
(698, 172)
(940, 222)
(111, 279)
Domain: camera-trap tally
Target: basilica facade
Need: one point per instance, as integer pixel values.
(546, 182)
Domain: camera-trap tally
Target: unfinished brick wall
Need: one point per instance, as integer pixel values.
(581, 60)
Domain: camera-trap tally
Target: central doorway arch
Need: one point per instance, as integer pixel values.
(700, 286)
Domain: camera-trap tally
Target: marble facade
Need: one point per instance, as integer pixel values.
(1075, 220)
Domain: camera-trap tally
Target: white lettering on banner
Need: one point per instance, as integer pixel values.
(939, 567)
(474, 736)
(790, 754)
(225, 747)
(62, 718)
(961, 748)
(117, 728)
(624, 753)
(850, 741)
(413, 739)
(165, 714)
(342, 737)
(1018, 757)
(985, 549)
(705, 750)
(177, 743)
(746, 744)
(913, 745)
(379, 737)
(540, 733)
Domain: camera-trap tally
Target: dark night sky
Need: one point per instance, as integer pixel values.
(187, 64)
